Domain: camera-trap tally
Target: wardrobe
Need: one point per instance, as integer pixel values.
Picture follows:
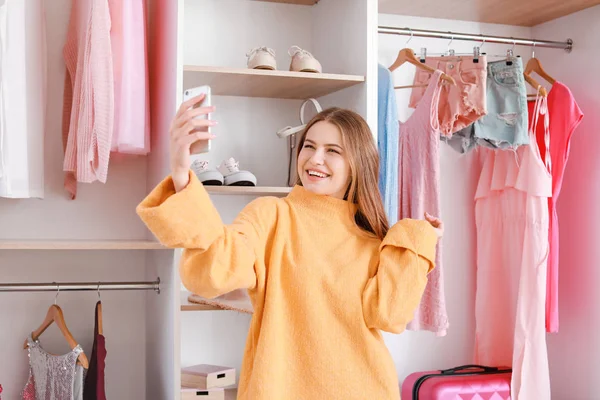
(151, 335)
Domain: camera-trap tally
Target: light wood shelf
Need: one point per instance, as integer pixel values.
(187, 305)
(508, 12)
(249, 190)
(80, 245)
(264, 83)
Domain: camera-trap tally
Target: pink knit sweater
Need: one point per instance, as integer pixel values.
(89, 95)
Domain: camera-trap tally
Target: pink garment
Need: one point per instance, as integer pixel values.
(419, 192)
(566, 116)
(130, 69)
(88, 99)
(511, 210)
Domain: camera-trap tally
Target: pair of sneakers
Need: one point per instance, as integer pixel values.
(227, 173)
(264, 58)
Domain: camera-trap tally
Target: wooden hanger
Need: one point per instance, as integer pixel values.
(542, 90)
(55, 315)
(99, 311)
(406, 55)
(534, 65)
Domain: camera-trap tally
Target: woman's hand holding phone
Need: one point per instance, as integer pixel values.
(186, 129)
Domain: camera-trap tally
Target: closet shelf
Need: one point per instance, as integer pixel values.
(508, 12)
(249, 190)
(299, 2)
(80, 245)
(187, 305)
(264, 83)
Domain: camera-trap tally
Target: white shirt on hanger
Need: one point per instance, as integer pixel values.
(22, 98)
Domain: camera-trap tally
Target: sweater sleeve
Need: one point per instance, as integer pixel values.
(217, 259)
(406, 256)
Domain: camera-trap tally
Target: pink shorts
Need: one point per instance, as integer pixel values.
(460, 105)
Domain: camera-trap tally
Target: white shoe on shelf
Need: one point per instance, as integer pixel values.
(261, 58)
(233, 176)
(303, 61)
(207, 176)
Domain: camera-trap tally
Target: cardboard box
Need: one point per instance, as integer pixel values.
(205, 376)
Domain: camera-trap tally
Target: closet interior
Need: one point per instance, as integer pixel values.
(73, 252)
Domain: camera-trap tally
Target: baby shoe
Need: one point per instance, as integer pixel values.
(261, 58)
(233, 176)
(207, 176)
(303, 61)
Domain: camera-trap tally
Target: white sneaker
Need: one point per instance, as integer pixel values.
(233, 176)
(303, 61)
(207, 176)
(261, 58)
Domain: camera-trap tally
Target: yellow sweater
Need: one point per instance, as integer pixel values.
(322, 289)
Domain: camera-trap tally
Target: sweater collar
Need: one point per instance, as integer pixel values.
(329, 206)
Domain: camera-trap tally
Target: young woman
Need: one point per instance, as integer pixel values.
(323, 271)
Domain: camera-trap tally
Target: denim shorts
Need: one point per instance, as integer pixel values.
(505, 124)
(462, 104)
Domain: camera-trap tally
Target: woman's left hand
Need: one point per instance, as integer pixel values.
(437, 224)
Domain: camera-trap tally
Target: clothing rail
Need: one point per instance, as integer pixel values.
(389, 30)
(79, 286)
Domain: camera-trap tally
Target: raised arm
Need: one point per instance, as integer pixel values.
(407, 255)
(217, 258)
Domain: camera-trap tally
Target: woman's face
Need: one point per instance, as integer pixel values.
(323, 165)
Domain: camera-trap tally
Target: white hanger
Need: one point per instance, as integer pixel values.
(289, 130)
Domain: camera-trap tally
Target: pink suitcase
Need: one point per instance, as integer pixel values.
(462, 382)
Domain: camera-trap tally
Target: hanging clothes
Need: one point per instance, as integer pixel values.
(88, 109)
(131, 133)
(23, 64)
(93, 388)
(419, 192)
(511, 213)
(387, 142)
(566, 117)
(53, 377)
(461, 104)
(505, 124)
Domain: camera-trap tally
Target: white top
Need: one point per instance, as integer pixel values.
(22, 98)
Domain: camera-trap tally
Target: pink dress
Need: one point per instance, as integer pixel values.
(88, 109)
(130, 69)
(511, 210)
(566, 116)
(419, 192)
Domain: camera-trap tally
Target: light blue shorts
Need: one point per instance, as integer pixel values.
(505, 124)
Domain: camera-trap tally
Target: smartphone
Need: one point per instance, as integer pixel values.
(200, 146)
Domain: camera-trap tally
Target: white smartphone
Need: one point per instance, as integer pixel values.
(200, 146)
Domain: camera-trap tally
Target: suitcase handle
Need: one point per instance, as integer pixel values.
(468, 366)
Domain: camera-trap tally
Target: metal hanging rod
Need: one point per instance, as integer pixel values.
(390, 30)
(79, 286)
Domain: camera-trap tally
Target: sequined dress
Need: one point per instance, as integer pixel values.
(53, 377)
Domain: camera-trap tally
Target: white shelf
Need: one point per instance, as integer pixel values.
(264, 83)
(249, 190)
(80, 245)
(298, 2)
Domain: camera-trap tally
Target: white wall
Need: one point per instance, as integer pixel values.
(415, 351)
(101, 211)
(575, 350)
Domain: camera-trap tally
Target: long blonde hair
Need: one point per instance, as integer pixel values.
(363, 158)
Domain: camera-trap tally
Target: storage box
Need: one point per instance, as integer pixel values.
(206, 376)
(203, 394)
